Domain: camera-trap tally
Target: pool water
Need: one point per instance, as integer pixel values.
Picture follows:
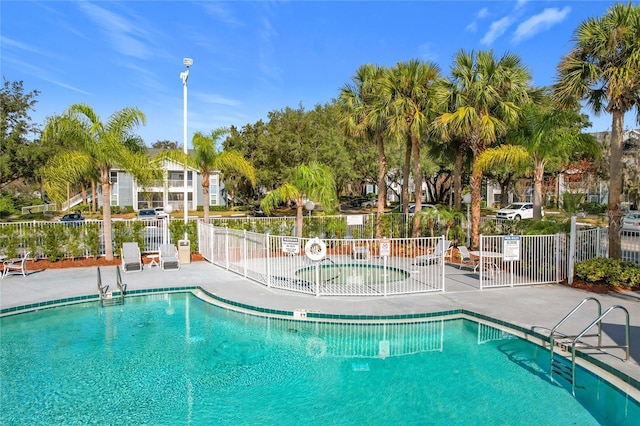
(174, 359)
(348, 273)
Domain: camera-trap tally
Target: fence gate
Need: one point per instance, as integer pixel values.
(510, 260)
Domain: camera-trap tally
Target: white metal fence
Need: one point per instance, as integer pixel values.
(594, 242)
(351, 267)
(507, 261)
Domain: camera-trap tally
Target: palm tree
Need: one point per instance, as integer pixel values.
(603, 69)
(100, 146)
(406, 94)
(313, 182)
(207, 159)
(484, 105)
(544, 134)
(360, 116)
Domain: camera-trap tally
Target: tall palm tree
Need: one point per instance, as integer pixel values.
(360, 116)
(603, 69)
(544, 134)
(207, 159)
(487, 100)
(101, 146)
(406, 94)
(313, 182)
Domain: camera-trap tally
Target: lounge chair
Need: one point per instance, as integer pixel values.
(465, 258)
(131, 259)
(436, 255)
(169, 257)
(16, 266)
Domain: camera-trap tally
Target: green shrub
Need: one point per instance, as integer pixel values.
(593, 208)
(571, 201)
(613, 272)
(54, 239)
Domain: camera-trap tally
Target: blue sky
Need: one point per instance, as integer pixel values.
(252, 57)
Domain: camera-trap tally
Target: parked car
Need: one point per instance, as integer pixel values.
(160, 213)
(631, 222)
(357, 202)
(412, 208)
(516, 211)
(72, 218)
(368, 203)
(147, 214)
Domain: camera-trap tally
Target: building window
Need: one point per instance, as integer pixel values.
(213, 190)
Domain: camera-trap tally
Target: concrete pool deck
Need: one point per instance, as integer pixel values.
(535, 308)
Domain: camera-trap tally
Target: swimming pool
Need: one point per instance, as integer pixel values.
(174, 359)
(352, 273)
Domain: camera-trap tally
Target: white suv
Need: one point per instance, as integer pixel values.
(517, 211)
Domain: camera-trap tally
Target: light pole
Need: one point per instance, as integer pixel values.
(184, 76)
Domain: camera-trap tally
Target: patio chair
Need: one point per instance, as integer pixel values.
(16, 266)
(360, 252)
(169, 257)
(435, 256)
(131, 258)
(465, 258)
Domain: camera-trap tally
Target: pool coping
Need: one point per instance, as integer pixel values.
(617, 378)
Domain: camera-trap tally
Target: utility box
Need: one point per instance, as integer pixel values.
(184, 251)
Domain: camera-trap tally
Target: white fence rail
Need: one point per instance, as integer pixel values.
(41, 208)
(351, 267)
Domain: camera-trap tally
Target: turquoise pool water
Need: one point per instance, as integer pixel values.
(350, 273)
(173, 359)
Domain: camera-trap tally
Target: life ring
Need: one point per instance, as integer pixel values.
(315, 249)
(316, 347)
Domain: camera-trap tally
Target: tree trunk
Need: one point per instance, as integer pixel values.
(299, 217)
(417, 172)
(457, 177)
(232, 197)
(406, 167)
(615, 186)
(93, 197)
(476, 186)
(504, 192)
(205, 196)
(382, 184)
(106, 213)
(538, 174)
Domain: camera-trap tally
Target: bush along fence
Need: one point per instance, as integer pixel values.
(55, 241)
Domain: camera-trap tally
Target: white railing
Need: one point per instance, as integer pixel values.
(39, 208)
(352, 267)
(73, 201)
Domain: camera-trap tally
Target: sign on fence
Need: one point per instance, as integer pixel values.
(290, 245)
(511, 248)
(385, 247)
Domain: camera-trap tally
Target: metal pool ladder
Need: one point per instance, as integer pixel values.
(107, 298)
(568, 343)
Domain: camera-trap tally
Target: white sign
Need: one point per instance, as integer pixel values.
(290, 245)
(355, 219)
(511, 248)
(385, 248)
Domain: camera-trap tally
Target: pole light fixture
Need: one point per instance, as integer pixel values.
(184, 76)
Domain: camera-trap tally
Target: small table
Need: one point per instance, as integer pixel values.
(154, 259)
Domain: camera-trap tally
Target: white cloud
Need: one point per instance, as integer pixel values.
(540, 22)
(473, 26)
(497, 29)
(222, 14)
(124, 33)
(217, 99)
(426, 53)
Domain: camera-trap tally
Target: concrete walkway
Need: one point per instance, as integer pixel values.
(536, 308)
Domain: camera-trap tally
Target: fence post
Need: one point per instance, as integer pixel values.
(557, 258)
(268, 260)
(244, 252)
(226, 248)
(442, 260)
(480, 260)
(572, 251)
